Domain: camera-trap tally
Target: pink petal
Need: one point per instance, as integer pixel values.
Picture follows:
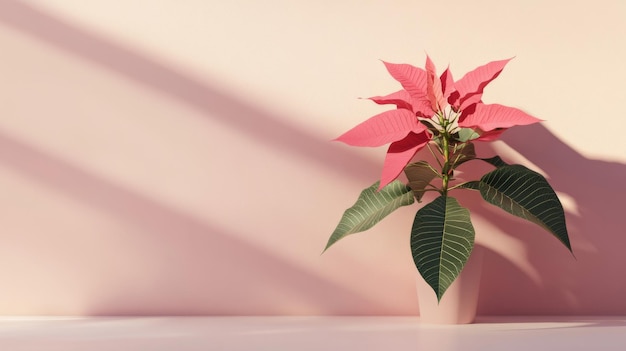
(447, 83)
(400, 98)
(491, 135)
(490, 117)
(400, 154)
(468, 111)
(433, 86)
(422, 107)
(469, 89)
(382, 129)
(412, 79)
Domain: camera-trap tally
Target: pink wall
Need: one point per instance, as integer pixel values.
(170, 159)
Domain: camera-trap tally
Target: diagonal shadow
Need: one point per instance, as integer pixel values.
(157, 218)
(176, 239)
(226, 109)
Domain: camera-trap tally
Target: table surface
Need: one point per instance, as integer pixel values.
(309, 333)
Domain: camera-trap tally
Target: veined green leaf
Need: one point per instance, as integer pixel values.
(442, 239)
(419, 174)
(371, 207)
(526, 194)
(472, 185)
(495, 161)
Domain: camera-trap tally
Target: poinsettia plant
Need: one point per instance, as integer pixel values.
(446, 117)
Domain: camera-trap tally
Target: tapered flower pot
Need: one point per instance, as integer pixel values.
(458, 304)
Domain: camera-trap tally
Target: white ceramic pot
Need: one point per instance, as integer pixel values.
(458, 304)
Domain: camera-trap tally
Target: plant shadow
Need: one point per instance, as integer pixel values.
(567, 285)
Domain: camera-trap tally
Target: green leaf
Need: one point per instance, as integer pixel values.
(419, 174)
(472, 185)
(370, 208)
(442, 239)
(526, 194)
(495, 161)
(466, 134)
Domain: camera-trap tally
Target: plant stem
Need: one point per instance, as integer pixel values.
(445, 170)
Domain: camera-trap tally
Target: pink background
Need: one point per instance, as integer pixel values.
(167, 158)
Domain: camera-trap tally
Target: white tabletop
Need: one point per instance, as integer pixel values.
(309, 333)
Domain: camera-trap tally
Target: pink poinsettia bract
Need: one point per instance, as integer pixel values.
(428, 105)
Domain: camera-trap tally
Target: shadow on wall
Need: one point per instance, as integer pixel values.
(193, 264)
(209, 100)
(591, 284)
(178, 243)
